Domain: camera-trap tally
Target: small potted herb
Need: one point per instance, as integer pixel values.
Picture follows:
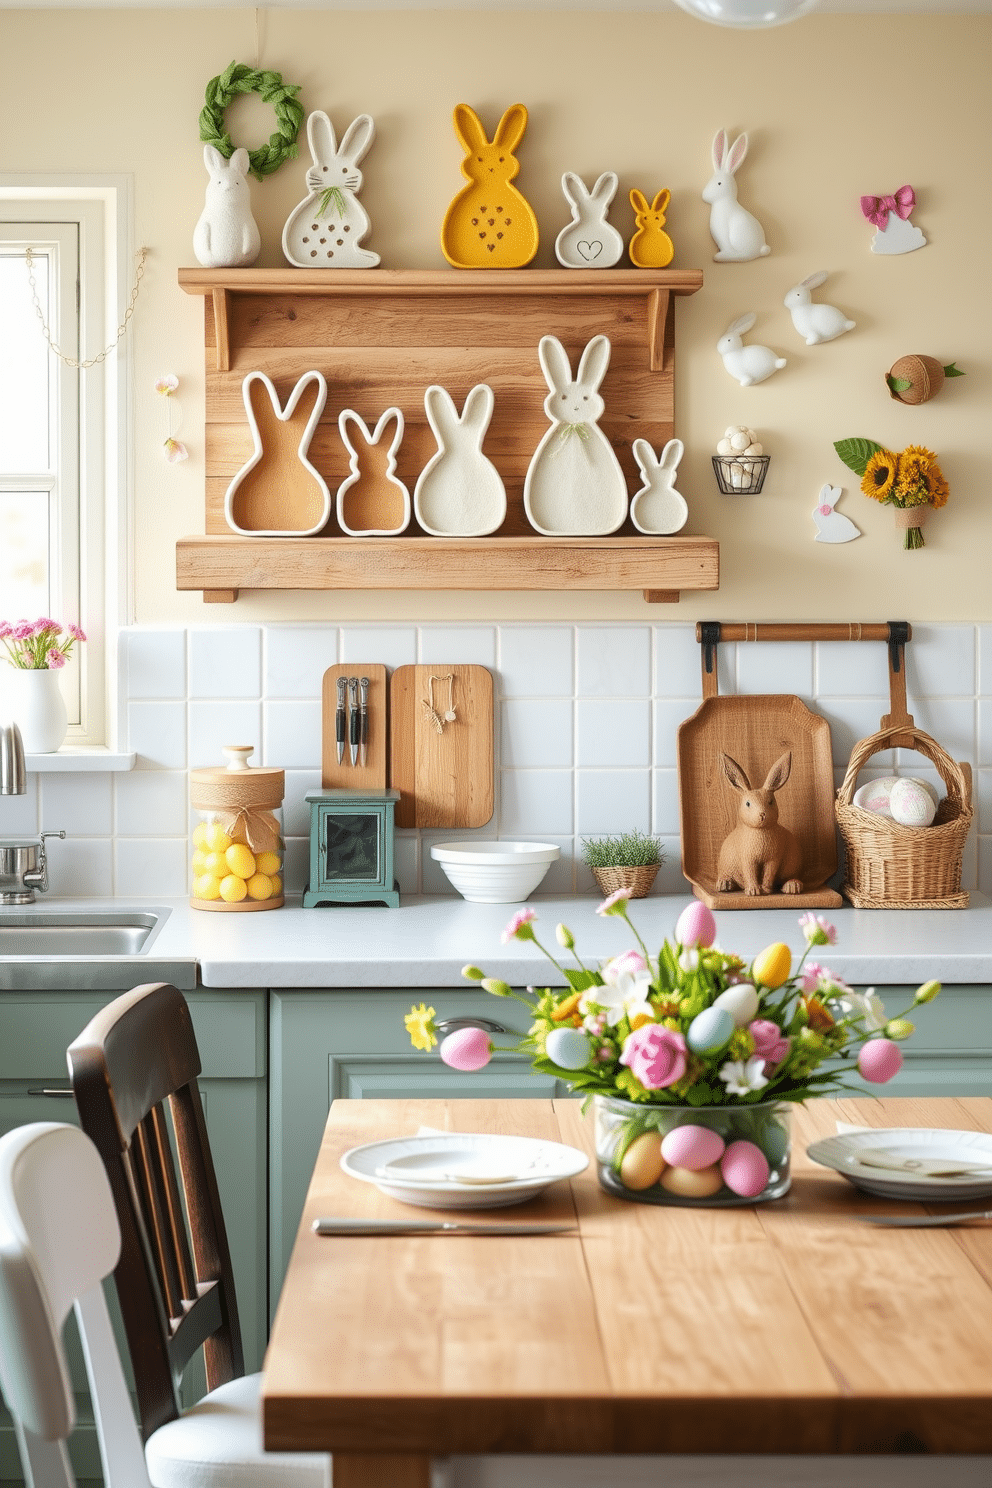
(630, 861)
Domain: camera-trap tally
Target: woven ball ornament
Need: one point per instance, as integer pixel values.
(239, 78)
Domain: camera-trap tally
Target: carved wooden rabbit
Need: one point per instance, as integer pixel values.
(759, 854)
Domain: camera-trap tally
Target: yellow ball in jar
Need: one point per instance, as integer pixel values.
(259, 886)
(268, 862)
(240, 860)
(232, 889)
(215, 863)
(199, 863)
(216, 838)
(200, 834)
(276, 881)
(205, 886)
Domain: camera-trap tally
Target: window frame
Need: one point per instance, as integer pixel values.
(101, 206)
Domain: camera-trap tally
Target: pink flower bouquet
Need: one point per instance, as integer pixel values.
(33, 645)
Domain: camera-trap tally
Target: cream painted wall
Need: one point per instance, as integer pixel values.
(835, 106)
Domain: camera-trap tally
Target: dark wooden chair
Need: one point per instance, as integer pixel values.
(135, 1059)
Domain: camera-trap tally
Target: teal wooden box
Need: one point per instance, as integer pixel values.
(351, 848)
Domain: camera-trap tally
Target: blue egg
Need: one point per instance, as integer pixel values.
(569, 1048)
(710, 1030)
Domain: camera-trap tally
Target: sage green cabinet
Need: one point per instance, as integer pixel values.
(35, 1030)
(350, 1044)
(951, 1051)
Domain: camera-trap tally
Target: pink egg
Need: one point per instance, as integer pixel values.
(695, 926)
(745, 1169)
(693, 1147)
(466, 1049)
(879, 1060)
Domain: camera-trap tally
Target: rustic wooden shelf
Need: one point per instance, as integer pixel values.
(380, 337)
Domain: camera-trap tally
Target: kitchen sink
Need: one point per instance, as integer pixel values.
(78, 933)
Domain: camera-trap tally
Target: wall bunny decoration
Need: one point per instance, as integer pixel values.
(489, 224)
(738, 235)
(815, 322)
(325, 231)
(749, 364)
(226, 236)
(589, 241)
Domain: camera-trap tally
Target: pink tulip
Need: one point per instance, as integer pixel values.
(695, 926)
(879, 1060)
(466, 1049)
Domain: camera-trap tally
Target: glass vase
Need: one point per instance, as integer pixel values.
(721, 1164)
(30, 697)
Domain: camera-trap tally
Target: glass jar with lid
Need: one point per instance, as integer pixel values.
(238, 845)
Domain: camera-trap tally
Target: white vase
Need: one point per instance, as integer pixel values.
(31, 699)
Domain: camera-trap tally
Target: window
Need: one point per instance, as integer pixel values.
(60, 426)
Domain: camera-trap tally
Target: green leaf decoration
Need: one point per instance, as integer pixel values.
(898, 385)
(579, 981)
(856, 453)
(951, 371)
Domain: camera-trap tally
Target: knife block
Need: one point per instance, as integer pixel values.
(346, 776)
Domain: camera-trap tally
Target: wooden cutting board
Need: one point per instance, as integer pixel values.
(444, 776)
(755, 731)
(346, 776)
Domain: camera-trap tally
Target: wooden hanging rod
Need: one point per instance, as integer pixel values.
(851, 630)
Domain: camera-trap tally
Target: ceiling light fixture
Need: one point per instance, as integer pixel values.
(747, 13)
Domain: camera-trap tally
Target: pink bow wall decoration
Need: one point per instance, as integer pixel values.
(877, 208)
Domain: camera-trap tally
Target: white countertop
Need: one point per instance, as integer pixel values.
(427, 941)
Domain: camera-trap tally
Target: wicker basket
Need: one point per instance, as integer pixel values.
(894, 867)
(637, 880)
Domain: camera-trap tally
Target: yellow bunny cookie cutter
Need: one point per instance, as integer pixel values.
(650, 247)
(489, 224)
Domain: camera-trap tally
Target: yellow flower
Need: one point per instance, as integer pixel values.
(419, 1025)
(567, 1008)
(880, 473)
(772, 966)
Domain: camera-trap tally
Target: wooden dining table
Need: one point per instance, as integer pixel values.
(786, 1327)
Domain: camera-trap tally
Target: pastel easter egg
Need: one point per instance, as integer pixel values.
(741, 1002)
(642, 1164)
(745, 1169)
(710, 1029)
(775, 1143)
(569, 1048)
(695, 926)
(693, 1147)
(466, 1049)
(911, 804)
(874, 795)
(879, 1060)
(690, 1183)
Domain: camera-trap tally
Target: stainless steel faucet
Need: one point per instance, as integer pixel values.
(24, 862)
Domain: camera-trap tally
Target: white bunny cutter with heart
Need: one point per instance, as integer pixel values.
(589, 241)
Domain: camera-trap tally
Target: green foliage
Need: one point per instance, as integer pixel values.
(952, 371)
(629, 850)
(898, 385)
(856, 453)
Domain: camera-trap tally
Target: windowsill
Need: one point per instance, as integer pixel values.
(79, 757)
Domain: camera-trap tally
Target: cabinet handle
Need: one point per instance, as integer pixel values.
(66, 1092)
(444, 1026)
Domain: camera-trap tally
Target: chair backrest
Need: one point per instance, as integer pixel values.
(174, 1277)
(59, 1238)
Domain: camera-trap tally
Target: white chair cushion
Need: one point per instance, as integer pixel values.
(218, 1444)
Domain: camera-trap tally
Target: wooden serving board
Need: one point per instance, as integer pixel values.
(755, 731)
(445, 779)
(346, 776)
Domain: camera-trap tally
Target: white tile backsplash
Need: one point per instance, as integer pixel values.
(586, 725)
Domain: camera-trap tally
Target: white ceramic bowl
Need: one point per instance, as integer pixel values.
(495, 872)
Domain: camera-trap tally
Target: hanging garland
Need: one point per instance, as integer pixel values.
(239, 78)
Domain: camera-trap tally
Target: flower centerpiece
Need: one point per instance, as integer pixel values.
(911, 481)
(36, 650)
(35, 644)
(692, 1057)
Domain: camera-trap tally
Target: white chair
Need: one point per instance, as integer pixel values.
(59, 1237)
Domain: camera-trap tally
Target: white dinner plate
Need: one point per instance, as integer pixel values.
(844, 1154)
(463, 1170)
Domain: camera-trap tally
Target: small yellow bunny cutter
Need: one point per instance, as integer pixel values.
(489, 224)
(650, 247)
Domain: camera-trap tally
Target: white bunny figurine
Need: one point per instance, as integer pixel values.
(589, 241)
(832, 526)
(226, 236)
(658, 509)
(324, 232)
(459, 492)
(574, 485)
(749, 364)
(816, 322)
(371, 501)
(738, 236)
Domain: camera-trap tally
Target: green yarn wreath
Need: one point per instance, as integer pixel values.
(238, 78)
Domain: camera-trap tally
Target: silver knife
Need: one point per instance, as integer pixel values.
(336, 1226)
(353, 723)
(363, 721)
(924, 1221)
(340, 717)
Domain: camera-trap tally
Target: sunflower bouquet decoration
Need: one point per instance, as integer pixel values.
(911, 481)
(691, 1055)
